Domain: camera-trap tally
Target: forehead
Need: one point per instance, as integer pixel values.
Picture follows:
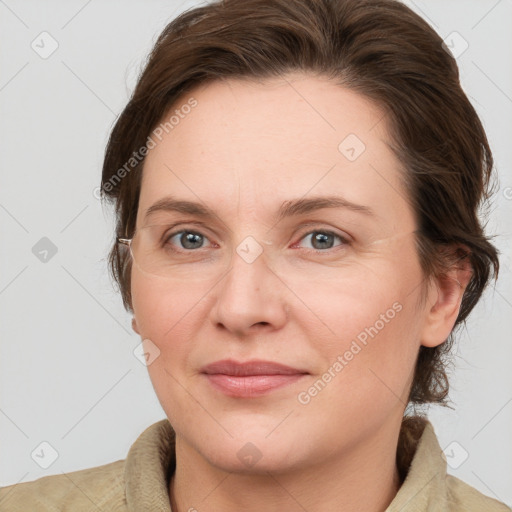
(259, 143)
(297, 115)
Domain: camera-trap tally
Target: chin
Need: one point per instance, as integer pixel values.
(251, 457)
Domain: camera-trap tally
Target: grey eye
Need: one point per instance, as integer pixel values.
(188, 239)
(321, 240)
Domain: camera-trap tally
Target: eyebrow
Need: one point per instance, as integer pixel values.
(289, 208)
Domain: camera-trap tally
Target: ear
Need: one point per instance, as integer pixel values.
(444, 299)
(134, 326)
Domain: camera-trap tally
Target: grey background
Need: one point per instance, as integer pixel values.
(68, 373)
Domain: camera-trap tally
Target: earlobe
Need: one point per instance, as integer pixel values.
(444, 303)
(134, 326)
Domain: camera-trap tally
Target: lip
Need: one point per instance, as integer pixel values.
(253, 367)
(251, 378)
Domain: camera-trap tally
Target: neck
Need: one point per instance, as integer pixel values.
(363, 478)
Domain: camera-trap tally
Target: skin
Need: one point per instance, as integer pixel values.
(243, 150)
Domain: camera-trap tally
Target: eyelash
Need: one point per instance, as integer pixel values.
(344, 240)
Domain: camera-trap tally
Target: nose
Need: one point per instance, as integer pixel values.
(250, 298)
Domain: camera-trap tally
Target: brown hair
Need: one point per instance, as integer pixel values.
(379, 48)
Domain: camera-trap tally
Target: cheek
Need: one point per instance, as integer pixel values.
(365, 326)
(357, 299)
(167, 313)
(367, 362)
(164, 307)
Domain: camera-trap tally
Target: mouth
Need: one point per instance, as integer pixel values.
(250, 379)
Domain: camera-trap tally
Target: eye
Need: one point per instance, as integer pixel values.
(188, 240)
(324, 239)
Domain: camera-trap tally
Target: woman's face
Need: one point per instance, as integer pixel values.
(333, 292)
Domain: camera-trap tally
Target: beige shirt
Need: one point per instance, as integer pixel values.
(141, 481)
